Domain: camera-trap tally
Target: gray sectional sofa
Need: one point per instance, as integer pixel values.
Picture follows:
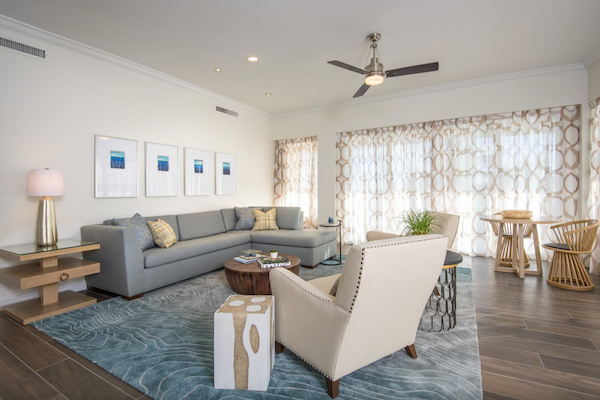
(204, 241)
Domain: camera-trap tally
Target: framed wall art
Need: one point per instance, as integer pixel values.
(198, 172)
(226, 173)
(162, 170)
(116, 167)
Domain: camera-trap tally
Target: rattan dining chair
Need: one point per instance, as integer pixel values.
(506, 249)
(574, 239)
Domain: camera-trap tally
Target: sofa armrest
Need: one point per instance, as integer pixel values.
(120, 257)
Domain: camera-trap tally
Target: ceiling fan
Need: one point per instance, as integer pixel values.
(374, 71)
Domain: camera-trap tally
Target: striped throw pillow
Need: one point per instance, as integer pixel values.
(265, 220)
(162, 233)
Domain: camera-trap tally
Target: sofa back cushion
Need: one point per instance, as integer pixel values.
(229, 218)
(287, 217)
(197, 225)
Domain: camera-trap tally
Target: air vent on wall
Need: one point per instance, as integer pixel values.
(23, 48)
(226, 111)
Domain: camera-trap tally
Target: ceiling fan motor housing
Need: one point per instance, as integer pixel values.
(375, 72)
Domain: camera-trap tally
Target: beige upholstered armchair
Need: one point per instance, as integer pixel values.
(374, 310)
(448, 227)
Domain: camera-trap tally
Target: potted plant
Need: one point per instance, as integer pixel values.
(273, 253)
(422, 222)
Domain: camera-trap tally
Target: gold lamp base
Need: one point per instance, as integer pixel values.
(47, 234)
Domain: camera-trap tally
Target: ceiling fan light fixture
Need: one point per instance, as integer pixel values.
(374, 78)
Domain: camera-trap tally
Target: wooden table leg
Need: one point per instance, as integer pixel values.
(49, 292)
(515, 247)
(536, 244)
(499, 247)
(521, 253)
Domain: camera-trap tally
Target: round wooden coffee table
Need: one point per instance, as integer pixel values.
(251, 278)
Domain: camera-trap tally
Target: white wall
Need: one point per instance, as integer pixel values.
(51, 110)
(536, 89)
(594, 81)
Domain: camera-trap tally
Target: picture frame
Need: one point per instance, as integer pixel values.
(197, 172)
(115, 167)
(162, 170)
(226, 173)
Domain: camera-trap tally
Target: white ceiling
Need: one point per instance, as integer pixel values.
(188, 39)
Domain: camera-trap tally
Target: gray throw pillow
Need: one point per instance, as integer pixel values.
(140, 226)
(245, 219)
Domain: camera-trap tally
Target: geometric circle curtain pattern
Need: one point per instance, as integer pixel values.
(593, 203)
(526, 160)
(296, 179)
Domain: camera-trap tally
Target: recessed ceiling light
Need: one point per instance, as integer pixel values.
(217, 69)
(252, 59)
(268, 94)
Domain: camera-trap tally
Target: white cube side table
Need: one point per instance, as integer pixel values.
(244, 342)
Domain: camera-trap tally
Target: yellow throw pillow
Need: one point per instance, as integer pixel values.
(265, 221)
(162, 233)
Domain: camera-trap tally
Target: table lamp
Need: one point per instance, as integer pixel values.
(46, 183)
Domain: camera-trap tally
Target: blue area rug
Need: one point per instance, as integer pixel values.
(162, 344)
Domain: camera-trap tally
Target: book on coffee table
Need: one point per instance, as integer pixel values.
(267, 262)
(251, 253)
(245, 260)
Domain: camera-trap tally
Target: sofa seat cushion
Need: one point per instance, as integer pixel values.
(184, 249)
(308, 238)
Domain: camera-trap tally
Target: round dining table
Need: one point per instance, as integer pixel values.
(518, 262)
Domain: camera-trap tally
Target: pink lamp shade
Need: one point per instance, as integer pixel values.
(45, 182)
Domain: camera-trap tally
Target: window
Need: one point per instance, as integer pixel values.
(467, 166)
(296, 178)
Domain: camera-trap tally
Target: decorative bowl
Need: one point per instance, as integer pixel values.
(517, 214)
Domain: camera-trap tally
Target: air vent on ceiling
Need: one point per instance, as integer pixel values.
(23, 48)
(226, 111)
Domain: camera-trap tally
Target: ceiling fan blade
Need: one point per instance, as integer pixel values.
(415, 69)
(362, 90)
(347, 66)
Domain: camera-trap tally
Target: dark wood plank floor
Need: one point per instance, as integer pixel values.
(535, 342)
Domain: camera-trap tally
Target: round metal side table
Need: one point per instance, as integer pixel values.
(334, 261)
(440, 311)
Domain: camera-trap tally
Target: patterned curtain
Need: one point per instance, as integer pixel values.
(466, 166)
(593, 203)
(296, 176)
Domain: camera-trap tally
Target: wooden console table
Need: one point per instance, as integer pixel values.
(45, 274)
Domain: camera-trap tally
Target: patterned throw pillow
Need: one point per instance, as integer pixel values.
(265, 221)
(140, 226)
(163, 234)
(245, 219)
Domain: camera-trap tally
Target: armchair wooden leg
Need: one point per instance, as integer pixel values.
(333, 387)
(411, 351)
(279, 348)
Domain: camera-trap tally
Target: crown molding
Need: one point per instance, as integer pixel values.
(48, 37)
(438, 88)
